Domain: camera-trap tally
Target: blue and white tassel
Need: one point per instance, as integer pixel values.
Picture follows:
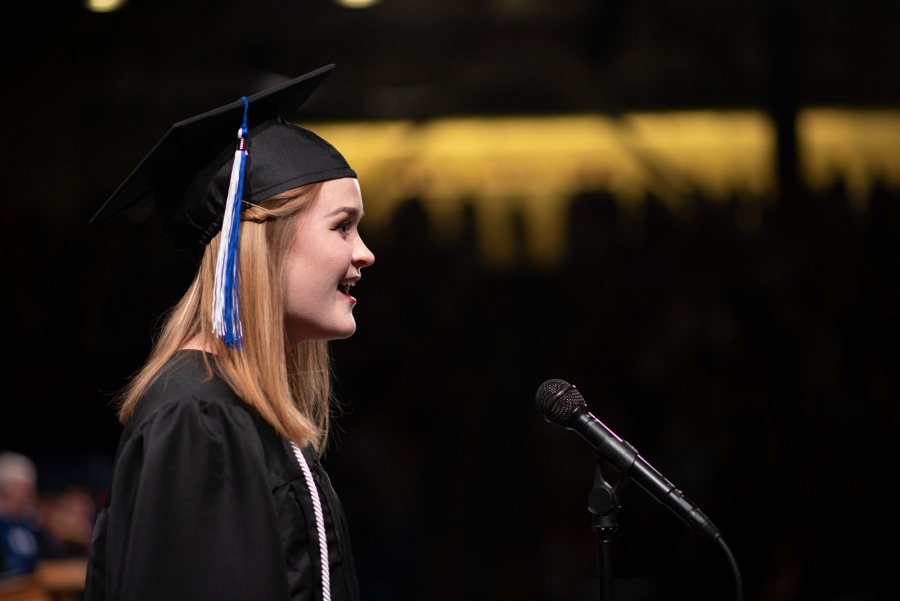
(226, 313)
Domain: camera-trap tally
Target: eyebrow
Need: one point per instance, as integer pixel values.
(352, 211)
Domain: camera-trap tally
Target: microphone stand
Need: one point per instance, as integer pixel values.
(603, 504)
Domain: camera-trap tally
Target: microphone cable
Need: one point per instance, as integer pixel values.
(735, 570)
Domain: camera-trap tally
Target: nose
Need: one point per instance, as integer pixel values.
(362, 256)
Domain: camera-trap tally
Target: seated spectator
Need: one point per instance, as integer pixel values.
(20, 546)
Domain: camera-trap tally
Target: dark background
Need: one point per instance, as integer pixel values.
(757, 370)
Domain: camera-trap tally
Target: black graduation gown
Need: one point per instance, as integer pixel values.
(208, 502)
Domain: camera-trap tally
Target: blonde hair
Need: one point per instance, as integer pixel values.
(289, 387)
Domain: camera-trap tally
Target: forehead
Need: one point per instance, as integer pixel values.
(340, 193)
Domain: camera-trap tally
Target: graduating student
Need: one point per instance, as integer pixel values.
(217, 492)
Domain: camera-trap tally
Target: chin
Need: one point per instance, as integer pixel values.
(343, 335)
(323, 334)
(299, 329)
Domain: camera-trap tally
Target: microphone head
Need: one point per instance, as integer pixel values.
(558, 401)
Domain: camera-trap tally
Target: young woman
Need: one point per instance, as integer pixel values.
(217, 491)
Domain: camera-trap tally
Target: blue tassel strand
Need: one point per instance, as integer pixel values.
(226, 312)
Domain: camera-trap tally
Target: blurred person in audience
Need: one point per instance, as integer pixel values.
(20, 535)
(217, 490)
(67, 517)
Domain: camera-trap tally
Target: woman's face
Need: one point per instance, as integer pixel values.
(324, 260)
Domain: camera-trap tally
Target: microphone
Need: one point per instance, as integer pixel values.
(563, 405)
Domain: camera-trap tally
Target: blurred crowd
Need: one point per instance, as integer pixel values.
(39, 525)
(748, 349)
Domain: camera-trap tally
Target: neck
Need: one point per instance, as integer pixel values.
(197, 343)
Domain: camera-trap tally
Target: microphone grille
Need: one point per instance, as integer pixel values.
(558, 401)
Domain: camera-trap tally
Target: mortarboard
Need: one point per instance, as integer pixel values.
(245, 150)
(281, 157)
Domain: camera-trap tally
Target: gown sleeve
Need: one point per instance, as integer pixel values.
(191, 516)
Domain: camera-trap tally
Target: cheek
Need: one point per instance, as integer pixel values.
(304, 281)
(295, 282)
(312, 269)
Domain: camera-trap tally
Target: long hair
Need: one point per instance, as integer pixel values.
(290, 387)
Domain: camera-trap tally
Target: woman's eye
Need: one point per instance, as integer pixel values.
(344, 227)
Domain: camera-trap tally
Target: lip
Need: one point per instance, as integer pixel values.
(345, 287)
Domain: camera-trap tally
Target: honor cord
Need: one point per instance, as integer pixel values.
(320, 521)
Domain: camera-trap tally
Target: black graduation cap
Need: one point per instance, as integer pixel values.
(187, 173)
